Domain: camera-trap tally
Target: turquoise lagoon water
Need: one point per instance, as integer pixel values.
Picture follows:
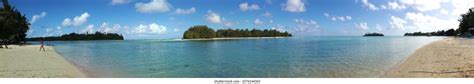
(293, 57)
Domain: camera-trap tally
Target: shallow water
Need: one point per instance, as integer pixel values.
(269, 57)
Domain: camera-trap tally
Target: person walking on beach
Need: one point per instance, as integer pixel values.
(42, 46)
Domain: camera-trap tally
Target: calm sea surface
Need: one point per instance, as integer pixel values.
(270, 57)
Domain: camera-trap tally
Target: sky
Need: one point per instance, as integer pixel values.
(165, 19)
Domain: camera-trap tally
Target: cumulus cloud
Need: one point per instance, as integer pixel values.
(396, 6)
(116, 2)
(338, 18)
(248, 7)
(306, 25)
(105, 27)
(425, 22)
(258, 22)
(444, 11)
(88, 29)
(77, 20)
(152, 28)
(154, 6)
(213, 17)
(362, 26)
(37, 17)
(397, 23)
(296, 6)
(461, 6)
(185, 11)
(424, 5)
(369, 5)
(53, 31)
(228, 24)
(280, 28)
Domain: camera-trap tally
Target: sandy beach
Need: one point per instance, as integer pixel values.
(450, 57)
(28, 62)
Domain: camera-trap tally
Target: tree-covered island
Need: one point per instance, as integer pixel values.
(204, 32)
(75, 36)
(373, 34)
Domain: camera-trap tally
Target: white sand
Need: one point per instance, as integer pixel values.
(450, 57)
(27, 61)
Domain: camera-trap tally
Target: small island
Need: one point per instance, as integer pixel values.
(204, 32)
(74, 37)
(373, 34)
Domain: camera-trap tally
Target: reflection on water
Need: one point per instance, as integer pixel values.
(279, 57)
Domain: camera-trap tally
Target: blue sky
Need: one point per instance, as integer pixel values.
(159, 19)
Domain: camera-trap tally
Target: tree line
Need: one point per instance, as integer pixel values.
(13, 25)
(74, 36)
(450, 32)
(203, 31)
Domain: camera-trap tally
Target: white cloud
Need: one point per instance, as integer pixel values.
(248, 7)
(296, 6)
(338, 18)
(326, 14)
(77, 20)
(424, 5)
(348, 17)
(397, 23)
(396, 6)
(267, 14)
(258, 22)
(369, 5)
(444, 11)
(228, 24)
(429, 23)
(154, 6)
(88, 29)
(116, 2)
(280, 28)
(105, 27)
(362, 26)
(306, 25)
(213, 17)
(333, 18)
(53, 31)
(461, 6)
(37, 17)
(152, 28)
(185, 11)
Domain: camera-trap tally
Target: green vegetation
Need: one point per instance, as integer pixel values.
(13, 25)
(450, 32)
(466, 22)
(74, 36)
(198, 32)
(373, 34)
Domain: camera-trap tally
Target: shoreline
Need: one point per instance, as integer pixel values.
(449, 57)
(28, 62)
